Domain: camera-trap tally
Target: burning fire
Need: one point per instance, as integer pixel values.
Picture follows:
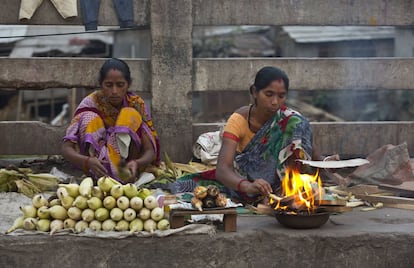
(299, 191)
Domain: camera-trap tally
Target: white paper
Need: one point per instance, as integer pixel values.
(336, 163)
(145, 177)
(186, 205)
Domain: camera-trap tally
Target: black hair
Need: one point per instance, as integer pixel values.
(266, 76)
(115, 64)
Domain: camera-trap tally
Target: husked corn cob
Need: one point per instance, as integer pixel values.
(212, 190)
(85, 187)
(200, 167)
(185, 167)
(123, 171)
(221, 200)
(197, 203)
(209, 202)
(200, 192)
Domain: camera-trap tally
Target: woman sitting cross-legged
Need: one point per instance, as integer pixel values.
(110, 127)
(259, 141)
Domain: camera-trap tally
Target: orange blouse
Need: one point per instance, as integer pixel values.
(237, 129)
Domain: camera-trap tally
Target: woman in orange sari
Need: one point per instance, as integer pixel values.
(112, 127)
(259, 142)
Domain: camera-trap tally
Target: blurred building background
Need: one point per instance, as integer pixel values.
(214, 42)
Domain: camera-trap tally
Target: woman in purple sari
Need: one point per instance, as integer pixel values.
(112, 126)
(259, 142)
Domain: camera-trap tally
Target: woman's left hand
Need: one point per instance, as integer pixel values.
(96, 166)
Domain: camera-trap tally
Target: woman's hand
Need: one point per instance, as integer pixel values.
(258, 186)
(334, 157)
(96, 166)
(133, 168)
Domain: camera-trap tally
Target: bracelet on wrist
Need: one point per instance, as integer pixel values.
(240, 183)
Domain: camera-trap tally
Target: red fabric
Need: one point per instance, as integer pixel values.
(209, 174)
(230, 136)
(283, 123)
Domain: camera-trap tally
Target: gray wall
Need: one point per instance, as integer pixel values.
(171, 74)
(404, 42)
(132, 44)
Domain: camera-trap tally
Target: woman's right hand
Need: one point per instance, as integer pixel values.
(97, 167)
(258, 186)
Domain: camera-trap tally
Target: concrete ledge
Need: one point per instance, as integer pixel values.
(41, 73)
(200, 128)
(348, 139)
(30, 138)
(217, 74)
(242, 12)
(381, 238)
(303, 12)
(307, 73)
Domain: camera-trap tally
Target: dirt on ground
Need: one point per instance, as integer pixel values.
(10, 208)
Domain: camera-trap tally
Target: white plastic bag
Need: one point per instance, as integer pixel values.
(207, 147)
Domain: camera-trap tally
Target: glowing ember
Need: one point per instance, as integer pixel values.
(299, 191)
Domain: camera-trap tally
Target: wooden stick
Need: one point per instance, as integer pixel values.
(400, 206)
(265, 210)
(289, 201)
(386, 199)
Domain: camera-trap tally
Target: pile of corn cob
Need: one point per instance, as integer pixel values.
(208, 197)
(107, 206)
(169, 171)
(23, 180)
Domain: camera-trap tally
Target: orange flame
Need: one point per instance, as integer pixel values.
(300, 191)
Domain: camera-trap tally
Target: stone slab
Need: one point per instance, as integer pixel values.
(379, 238)
(214, 74)
(243, 12)
(348, 139)
(41, 73)
(303, 12)
(307, 73)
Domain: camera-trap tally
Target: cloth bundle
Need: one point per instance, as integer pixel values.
(208, 147)
(389, 164)
(90, 11)
(66, 8)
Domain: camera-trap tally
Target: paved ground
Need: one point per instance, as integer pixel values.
(380, 238)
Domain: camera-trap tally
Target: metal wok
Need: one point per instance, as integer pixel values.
(302, 221)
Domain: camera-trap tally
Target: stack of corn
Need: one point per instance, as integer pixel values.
(23, 180)
(208, 197)
(169, 171)
(107, 206)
